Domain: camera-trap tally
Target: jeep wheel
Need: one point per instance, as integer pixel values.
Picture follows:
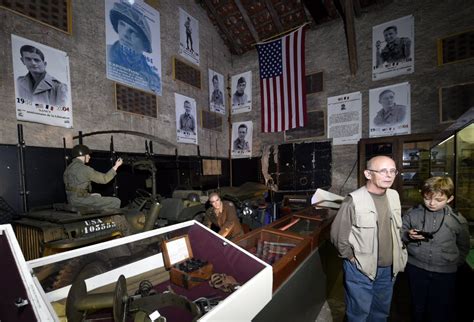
(200, 216)
(79, 268)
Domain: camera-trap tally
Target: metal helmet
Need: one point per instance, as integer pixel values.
(194, 197)
(127, 13)
(80, 150)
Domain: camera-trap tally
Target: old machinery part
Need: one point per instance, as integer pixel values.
(78, 302)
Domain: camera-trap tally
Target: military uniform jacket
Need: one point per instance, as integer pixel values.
(128, 58)
(395, 115)
(48, 91)
(238, 99)
(186, 122)
(78, 178)
(226, 220)
(241, 145)
(217, 97)
(398, 50)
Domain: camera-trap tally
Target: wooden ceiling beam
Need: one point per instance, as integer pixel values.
(347, 11)
(223, 27)
(357, 8)
(308, 15)
(274, 14)
(330, 8)
(247, 20)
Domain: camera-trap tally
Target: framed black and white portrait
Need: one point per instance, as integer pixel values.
(132, 36)
(241, 89)
(242, 133)
(216, 92)
(42, 83)
(188, 37)
(186, 123)
(393, 48)
(390, 110)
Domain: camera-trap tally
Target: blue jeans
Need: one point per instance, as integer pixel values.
(367, 300)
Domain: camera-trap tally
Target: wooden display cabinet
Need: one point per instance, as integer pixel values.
(412, 158)
(287, 263)
(301, 225)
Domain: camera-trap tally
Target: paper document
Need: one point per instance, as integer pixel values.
(326, 199)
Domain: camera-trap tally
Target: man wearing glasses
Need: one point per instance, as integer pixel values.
(223, 215)
(366, 233)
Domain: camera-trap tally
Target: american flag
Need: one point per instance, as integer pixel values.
(282, 82)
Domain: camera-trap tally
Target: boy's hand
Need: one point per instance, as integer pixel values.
(413, 234)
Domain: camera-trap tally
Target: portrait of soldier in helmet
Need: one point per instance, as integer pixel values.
(133, 45)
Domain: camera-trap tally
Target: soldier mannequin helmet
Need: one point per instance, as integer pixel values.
(194, 197)
(80, 150)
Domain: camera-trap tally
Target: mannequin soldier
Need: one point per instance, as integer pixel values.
(78, 177)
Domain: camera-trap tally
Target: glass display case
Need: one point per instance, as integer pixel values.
(284, 251)
(128, 276)
(300, 225)
(454, 157)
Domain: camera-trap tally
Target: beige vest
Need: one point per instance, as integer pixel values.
(363, 236)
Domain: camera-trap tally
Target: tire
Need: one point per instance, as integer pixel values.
(199, 217)
(82, 268)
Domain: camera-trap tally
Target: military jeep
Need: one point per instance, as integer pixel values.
(61, 227)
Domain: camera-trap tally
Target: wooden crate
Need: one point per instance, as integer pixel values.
(176, 251)
(287, 263)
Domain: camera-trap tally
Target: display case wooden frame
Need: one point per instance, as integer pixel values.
(282, 268)
(291, 223)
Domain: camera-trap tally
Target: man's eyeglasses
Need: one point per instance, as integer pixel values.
(393, 172)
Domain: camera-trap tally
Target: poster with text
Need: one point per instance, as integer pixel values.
(345, 118)
(242, 133)
(42, 83)
(216, 92)
(188, 37)
(393, 48)
(186, 125)
(241, 88)
(132, 36)
(389, 110)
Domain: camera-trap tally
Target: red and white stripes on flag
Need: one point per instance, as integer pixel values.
(283, 82)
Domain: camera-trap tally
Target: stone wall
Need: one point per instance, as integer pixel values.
(93, 94)
(326, 51)
(93, 97)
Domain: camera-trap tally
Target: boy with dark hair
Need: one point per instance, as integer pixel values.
(437, 239)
